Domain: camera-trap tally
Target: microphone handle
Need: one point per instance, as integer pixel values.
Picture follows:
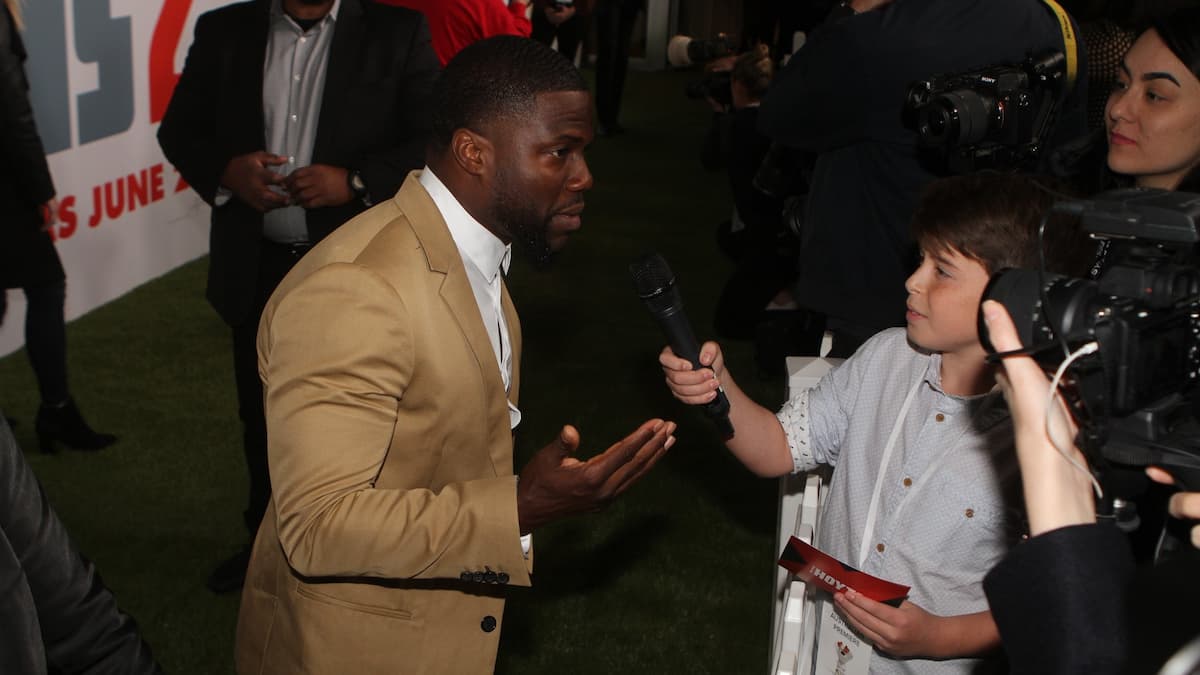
(683, 343)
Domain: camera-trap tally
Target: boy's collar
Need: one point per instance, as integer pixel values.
(933, 376)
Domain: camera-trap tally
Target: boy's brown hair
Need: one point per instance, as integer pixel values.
(993, 219)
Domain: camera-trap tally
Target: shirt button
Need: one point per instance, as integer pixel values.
(291, 159)
(296, 77)
(907, 482)
(879, 547)
(940, 417)
(296, 117)
(970, 513)
(303, 40)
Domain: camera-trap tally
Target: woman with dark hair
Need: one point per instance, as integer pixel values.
(28, 259)
(1153, 113)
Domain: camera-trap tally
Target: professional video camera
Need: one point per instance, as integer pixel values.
(996, 117)
(1135, 395)
(684, 51)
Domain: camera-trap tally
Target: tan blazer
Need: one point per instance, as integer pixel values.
(392, 530)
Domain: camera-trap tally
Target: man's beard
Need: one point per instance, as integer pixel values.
(522, 222)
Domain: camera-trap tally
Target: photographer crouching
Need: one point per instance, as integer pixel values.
(755, 303)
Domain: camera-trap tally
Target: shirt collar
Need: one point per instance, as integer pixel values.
(933, 377)
(277, 12)
(478, 245)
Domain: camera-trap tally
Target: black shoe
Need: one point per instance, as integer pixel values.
(230, 574)
(64, 424)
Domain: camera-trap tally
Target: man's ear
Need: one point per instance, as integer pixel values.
(473, 152)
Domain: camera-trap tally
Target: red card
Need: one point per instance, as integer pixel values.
(826, 572)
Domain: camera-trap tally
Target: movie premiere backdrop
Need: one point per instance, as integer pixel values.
(101, 73)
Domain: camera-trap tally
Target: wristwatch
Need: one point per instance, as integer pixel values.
(358, 186)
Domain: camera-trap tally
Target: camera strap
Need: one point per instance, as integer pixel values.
(864, 548)
(1071, 50)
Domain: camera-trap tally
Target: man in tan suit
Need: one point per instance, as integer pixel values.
(390, 358)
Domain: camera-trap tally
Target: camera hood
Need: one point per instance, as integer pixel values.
(1159, 216)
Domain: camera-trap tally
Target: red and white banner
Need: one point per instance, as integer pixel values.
(101, 73)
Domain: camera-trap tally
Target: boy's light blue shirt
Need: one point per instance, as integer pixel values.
(950, 503)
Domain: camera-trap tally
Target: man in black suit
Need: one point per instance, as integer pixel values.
(290, 117)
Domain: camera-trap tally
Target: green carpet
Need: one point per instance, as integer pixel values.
(673, 578)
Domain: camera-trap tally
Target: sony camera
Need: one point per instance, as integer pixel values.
(1135, 396)
(997, 117)
(684, 51)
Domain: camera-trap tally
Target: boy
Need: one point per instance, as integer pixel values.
(925, 490)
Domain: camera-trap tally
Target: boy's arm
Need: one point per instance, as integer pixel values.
(758, 441)
(909, 631)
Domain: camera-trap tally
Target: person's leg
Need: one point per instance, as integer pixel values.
(568, 37)
(274, 263)
(606, 18)
(254, 424)
(58, 418)
(627, 16)
(46, 340)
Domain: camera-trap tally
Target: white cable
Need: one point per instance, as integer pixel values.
(1051, 395)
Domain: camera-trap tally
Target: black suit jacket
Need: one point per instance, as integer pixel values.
(27, 255)
(374, 118)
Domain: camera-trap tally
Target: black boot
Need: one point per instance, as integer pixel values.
(63, 424)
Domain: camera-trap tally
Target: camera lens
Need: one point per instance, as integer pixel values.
(937, 124)
(969, 113)
(1073, 305)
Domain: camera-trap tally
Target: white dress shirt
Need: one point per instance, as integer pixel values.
(485, 257)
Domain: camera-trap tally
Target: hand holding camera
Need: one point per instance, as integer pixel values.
(1133, 336)
(1054, 474)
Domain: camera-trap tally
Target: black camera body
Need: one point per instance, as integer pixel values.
(1135, 396)
(995, 117)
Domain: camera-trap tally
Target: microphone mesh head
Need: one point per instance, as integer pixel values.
(651, 275)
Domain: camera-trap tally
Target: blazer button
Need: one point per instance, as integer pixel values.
(465, 576)
(488, 624)
(502, 577)
(489, 576)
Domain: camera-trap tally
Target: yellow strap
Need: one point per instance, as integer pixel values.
(1068, 33)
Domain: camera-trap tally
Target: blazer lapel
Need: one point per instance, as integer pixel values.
(514, 334)
(344, 61)
(244, 67)
(443, 257)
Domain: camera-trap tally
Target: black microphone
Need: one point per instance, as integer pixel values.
(655, 285)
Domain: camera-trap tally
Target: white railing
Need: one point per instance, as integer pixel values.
(799, 501)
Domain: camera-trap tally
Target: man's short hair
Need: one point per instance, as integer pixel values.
(499, 77)
(993, 218)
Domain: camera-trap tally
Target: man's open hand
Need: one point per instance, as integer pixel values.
(555, 484)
